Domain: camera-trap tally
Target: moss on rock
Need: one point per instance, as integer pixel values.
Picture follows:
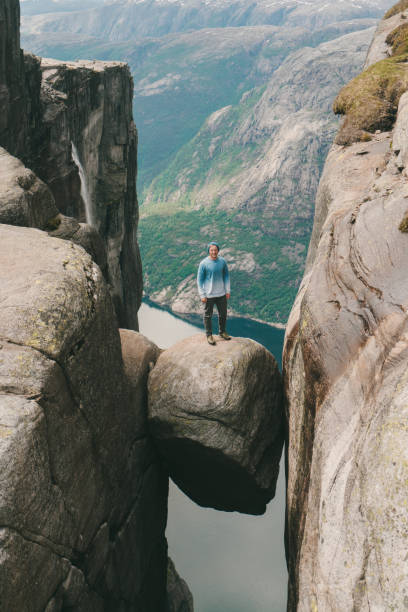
(398, 40)
(403, 226)
(397, 8)
(370, 100)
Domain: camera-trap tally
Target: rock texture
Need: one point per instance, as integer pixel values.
(345, 364)
(179, 598)
(83, 495)
(16, 80)
(87, 122)
(216, 416)
(24, 199)
(72, 125)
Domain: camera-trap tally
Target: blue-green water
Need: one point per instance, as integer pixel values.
(232, 562)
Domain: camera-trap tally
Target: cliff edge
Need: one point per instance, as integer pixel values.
(71, 124)
(346, 352)
(79, 474)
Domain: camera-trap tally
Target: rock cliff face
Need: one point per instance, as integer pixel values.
(345, 363)
(72, 125)
(83, 493)
(19, 83)
(79, 473)
(86, 153)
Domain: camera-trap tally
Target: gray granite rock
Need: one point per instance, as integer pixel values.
(17, 78)
(345, 364)
(87, 128)
(216, 416)
(24, 199)
(83, 234)
(51, 109)
(83, 495)
(179, 598)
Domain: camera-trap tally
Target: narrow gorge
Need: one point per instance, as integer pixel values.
(84, 453)
(95, 418)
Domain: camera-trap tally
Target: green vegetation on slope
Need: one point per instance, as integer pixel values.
(172, 241)
(397, 8)
(202, 160)
(215, 164)
(370, 100)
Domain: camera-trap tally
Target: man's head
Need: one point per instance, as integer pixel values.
(213, 249)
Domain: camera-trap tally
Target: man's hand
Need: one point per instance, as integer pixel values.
(228, 295)
(204, 300)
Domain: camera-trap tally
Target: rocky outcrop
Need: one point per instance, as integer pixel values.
(216, 416)
(24, 199)
(16, 80)
(87, 156)
(83, 495)
(179, 598)
(72, 125)
(345, 365)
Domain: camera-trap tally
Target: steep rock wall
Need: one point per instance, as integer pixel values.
(345, 363)
(83, 495)
(64, 120)
(19, 84)
(87, 122)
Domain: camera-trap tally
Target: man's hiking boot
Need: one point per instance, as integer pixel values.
(211, 340)
(225, 335)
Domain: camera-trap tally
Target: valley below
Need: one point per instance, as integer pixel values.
(233, 110)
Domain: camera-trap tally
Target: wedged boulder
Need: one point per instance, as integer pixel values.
(216, 416)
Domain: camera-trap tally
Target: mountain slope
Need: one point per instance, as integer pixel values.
(248, 179)
(127, 19)
(234, 123)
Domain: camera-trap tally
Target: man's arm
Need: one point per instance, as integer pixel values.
(227, 283)
(200, 281)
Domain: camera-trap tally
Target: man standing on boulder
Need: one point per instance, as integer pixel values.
(214, 288)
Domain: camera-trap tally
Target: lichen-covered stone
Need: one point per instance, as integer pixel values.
(83, 495)
(216, 416)
(345, 363)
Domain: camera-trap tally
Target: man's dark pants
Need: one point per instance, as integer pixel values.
(221, 303)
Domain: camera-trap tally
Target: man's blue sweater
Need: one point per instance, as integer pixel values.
(213, 278)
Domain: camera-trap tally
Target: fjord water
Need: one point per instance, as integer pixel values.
(232, 562)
